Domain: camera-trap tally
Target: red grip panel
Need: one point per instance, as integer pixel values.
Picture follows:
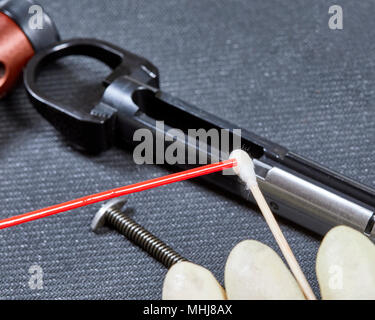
(15, 51)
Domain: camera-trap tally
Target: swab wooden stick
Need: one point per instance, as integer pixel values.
(245, 170)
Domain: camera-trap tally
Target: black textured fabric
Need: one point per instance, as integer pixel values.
(272, 67)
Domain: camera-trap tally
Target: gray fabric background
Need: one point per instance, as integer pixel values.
(272, 67)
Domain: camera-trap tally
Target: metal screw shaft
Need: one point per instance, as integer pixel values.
(141, 237)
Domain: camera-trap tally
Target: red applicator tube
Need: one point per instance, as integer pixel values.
(122, 191)
(20, 39)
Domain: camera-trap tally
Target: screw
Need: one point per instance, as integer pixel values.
(111, 214)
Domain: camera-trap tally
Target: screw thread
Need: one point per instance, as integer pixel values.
(143, 238)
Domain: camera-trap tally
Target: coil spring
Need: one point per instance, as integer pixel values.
(143, 238)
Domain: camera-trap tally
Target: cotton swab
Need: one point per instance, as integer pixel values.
(245, 171)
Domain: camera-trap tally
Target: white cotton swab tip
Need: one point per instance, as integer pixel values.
(244, 168)
(245, 171)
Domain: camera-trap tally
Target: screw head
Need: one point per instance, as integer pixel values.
(100, 216)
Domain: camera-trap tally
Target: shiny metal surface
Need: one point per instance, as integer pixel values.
(310, 205)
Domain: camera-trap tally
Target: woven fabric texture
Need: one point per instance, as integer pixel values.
(273, 67)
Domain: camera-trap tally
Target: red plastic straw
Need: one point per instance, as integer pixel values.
(101, 196)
